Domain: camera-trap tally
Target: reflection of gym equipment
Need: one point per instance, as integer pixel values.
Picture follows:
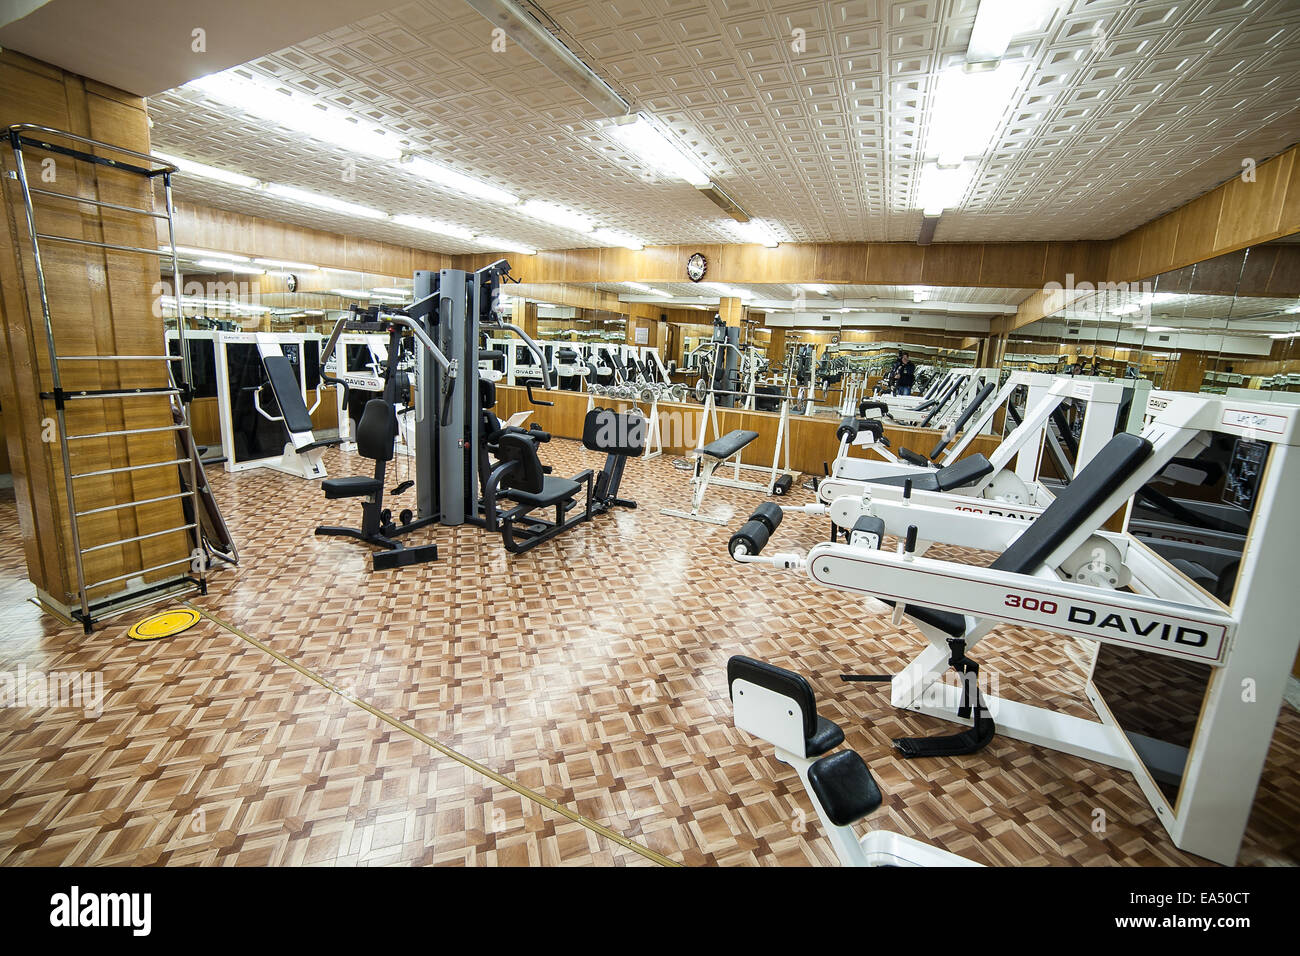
(359, 361)
(778, 706)
(1197, 754)
(262, 384)
(708, 456)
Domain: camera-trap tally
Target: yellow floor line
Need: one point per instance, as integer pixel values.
(441, 748)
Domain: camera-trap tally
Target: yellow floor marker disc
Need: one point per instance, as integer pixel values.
(164, 624)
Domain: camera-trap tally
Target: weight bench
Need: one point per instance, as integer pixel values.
(964, 473)
(778, 706)
(302, 452)
(707, 458)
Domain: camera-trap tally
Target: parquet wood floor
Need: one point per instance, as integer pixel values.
(590, 670)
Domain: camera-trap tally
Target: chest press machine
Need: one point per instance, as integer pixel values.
(262, 383)
(1218, 666)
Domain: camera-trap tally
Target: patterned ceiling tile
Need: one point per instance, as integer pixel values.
(811, 115)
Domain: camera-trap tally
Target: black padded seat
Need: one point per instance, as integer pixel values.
(284, 382)
(827, 736)
(354, 487)
(554, 490)
(728, 444)
(965, 472)
(844, 787)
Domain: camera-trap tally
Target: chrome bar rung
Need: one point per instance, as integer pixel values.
(139, 537)
(138, 393)
(118, 471)
(102, 245)
(133, 574)
(23, 129)
(130, 431)
(131, 504)
(120, 358)
(98, 202)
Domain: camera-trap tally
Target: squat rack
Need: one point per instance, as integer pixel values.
(193, 567)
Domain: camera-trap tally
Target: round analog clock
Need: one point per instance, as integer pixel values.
(696, 266)
(292, 282)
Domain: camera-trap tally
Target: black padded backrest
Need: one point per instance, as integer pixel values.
(779, 681)
(1122, 456)
(284, 382)
(487, 393)
(965, 472)
(528, 476)
(966, 415)
(605, 430)
(940, 403)
(377, 430)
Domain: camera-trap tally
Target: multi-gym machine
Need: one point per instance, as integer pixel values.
(456, 481)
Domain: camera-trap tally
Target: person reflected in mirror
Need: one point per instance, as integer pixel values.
(903, 375)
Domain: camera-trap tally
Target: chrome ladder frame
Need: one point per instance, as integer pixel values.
(38, 138)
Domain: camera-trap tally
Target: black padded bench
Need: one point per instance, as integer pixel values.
(730, 443)
(1080, 500)
(960, 475)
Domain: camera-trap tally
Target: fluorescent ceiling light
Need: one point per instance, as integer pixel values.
(920, 295)
(648, 289)
(616, 238)
(542, 46)
(298, 112)
(209, 254)
(942, 189)
(505, 245)
(557, 215)
(324, 202)
(394, 291)
(351, 293)
(651, 146)
(458, 182)
(997, 21)
(428, 225)
(205, 171)
(967, 111)
(1285, 335)
(819, 289)
(282, 264)
(225, 265)
(1160, 328)
(755, 231)
(730, 291)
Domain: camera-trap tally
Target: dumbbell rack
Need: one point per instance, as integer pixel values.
(134, 590)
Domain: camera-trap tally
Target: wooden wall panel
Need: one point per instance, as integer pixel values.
(101, 303)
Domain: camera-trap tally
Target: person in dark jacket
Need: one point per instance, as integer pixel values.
(903, 375)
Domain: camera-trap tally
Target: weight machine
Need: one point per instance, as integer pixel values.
(1217, 665)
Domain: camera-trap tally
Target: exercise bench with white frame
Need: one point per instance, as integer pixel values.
(778, 706)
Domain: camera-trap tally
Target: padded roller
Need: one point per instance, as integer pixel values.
(769, 514)
(783, 485)
(752, 534)
(848, 429)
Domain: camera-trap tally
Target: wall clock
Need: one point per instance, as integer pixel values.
(696, 266)
(292, 282)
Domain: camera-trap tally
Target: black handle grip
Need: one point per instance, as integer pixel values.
(528, 387)
(907, 489)
(909, 543)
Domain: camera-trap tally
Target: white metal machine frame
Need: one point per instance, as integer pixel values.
(1015, 476)
(1248, 645)
(301, 455)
